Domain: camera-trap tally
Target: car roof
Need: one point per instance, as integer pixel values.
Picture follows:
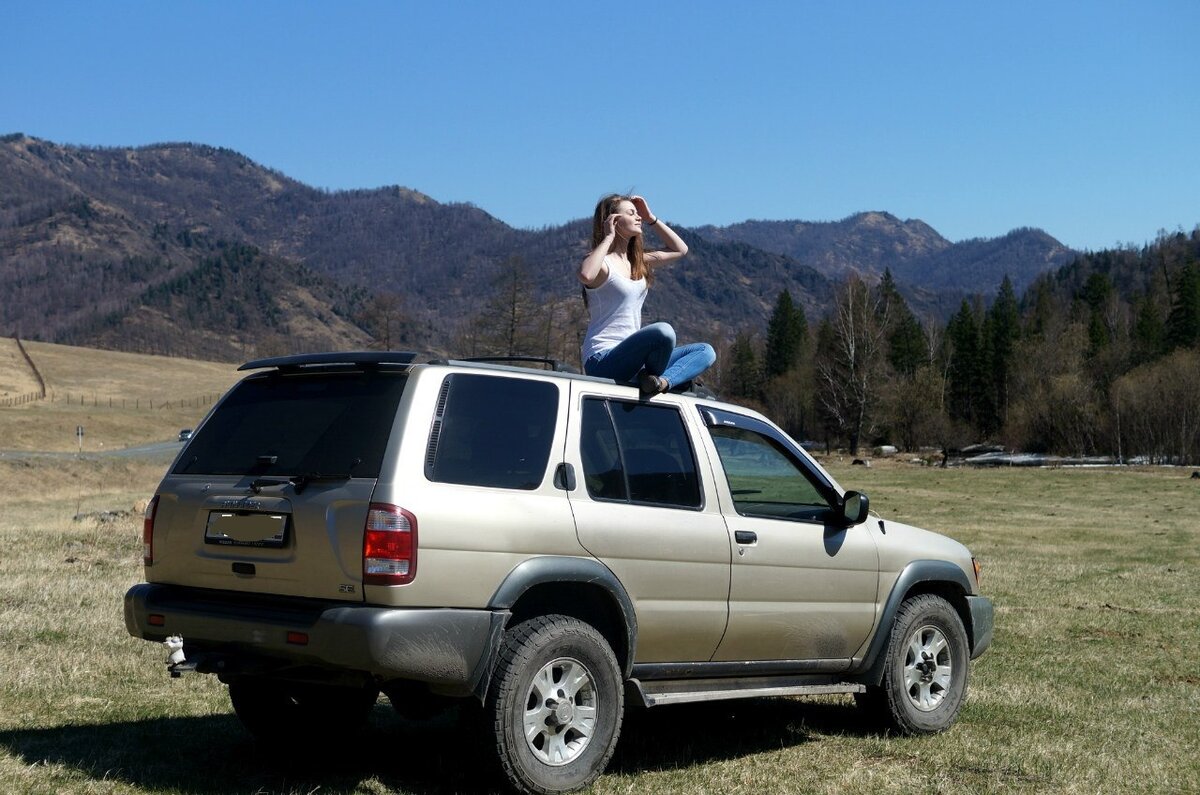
(337, 360)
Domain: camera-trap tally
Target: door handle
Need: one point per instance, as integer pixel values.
(564, 477)
(745, 537)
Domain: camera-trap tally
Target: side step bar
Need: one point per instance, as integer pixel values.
(659, 692)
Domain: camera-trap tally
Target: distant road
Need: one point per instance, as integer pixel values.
(155, 451)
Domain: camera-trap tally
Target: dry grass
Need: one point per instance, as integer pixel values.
(15, 376)
(1093, 684)
(120, 399)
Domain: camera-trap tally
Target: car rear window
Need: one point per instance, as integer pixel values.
(303, 424)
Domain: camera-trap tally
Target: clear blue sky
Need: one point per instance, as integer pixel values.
(1082, 118)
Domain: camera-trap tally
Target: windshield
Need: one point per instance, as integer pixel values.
(325, 424)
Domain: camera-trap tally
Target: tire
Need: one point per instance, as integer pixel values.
(925, 671)
(278, 711)
(555, 705)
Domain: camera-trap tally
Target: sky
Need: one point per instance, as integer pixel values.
(1079, 118)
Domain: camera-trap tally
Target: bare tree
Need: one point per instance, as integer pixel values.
(1156, 410)
(850, 366)
(513, 322)
(383, 317)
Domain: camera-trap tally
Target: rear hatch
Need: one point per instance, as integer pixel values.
(271, 493)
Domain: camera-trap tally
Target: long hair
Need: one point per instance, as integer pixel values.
(637, 262)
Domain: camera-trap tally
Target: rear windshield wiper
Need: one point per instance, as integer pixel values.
(301, 482)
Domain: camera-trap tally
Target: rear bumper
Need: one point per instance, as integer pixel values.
(450, 649)
(982, 624)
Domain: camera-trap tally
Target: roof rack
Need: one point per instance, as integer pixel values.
(358, 358)
(697, 389)
(553, 364)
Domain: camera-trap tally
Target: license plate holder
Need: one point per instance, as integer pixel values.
(246, 529)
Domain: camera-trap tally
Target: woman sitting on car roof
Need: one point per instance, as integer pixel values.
(616, 276)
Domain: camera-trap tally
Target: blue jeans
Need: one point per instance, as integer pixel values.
(652, 348)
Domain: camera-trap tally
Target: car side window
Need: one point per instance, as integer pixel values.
(764, 479)
(603, 473)
(633, 452)
(492, 431)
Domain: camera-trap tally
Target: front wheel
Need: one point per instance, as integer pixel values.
(555, 705)
(925, 672)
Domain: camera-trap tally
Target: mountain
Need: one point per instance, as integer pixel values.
(195, 250)
(86, 232)
(867, 243)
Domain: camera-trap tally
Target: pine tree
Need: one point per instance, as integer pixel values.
(1097, 293)
(1183, 324)
(786, 332)
(1039, 298)
(1003, 331)
(1149, 331)
(745, 376)
(966, 353)
(907, 344)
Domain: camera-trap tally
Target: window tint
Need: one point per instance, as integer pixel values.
(764, 479)
(638, 450)
(327, 424)
(492, 431)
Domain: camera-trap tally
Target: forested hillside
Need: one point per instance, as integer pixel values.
(1101, 357)
(86, 235)
(155, 248)
(866, 330)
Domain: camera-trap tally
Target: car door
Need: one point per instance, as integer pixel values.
(643, 508)
(802, 585)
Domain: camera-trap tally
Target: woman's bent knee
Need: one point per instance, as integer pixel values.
(663, 330)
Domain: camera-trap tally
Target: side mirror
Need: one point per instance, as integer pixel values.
(855, 507)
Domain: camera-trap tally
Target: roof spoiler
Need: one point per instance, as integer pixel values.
(357, 358)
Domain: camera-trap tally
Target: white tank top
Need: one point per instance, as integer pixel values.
(616, 312)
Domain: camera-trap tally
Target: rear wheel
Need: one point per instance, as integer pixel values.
(281, 711)
(925, 672)
(555, 705)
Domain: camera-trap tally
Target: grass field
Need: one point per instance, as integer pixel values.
(120, 399)
(1092, 685)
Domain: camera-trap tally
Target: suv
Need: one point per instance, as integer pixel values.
(545, 544)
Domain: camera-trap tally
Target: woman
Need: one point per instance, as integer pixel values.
(616, 276)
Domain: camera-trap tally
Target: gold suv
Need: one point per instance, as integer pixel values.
(546, 544)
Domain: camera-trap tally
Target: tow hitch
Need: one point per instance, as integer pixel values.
(177, 663)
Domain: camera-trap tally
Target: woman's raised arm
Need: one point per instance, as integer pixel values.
(676, 248)
(592, 271)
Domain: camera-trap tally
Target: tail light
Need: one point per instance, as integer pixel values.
(148, 531)
(389, 546)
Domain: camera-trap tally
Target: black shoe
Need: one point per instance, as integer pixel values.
(649, 384)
